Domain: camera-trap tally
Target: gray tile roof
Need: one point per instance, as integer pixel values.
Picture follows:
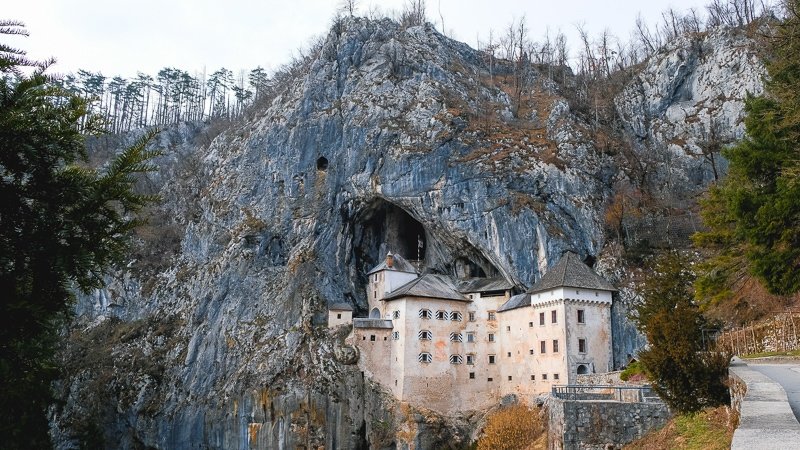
(570, 271)
(484, 285)
(430, 286)
(400, 264)
(517, 301)
(340, 307)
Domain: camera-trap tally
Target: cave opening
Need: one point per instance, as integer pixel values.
(322, 163)
(379, 227)
(383, 227)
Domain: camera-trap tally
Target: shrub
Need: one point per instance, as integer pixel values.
(684, 375)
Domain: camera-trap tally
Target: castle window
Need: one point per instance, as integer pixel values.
(583, 369)
(509, 378)
(456, 359)
(555, 376)
(339, 315)
(470, 358)
(508, 328)
(396, 335)
(530, 324)
(531, 351)
(456, 315)
(372, 337)
(441, 315)
(577, 292)
(472, 375)
(581, 316)
(533, 377)
(509, 354)
(456, 337)
(490, 379)
(376, 277)
(425, 313)
(425, 357)
(395, 314)
(491, 337)
(541, 318)
(472, 316)
(542, 347)
(425, 335)
(492, 315)
(470, 337)
(555, 345)
(544, 376)
(581, 345)
(553, 316)
(491, 359)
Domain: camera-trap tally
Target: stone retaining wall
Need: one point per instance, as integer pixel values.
(601, 425)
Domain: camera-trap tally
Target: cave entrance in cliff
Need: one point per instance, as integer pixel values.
(383, 227)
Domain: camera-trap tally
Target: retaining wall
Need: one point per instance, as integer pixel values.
(601, 425)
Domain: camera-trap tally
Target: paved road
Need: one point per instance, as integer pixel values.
(788, 376)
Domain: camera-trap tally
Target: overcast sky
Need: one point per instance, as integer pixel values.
(121, 37)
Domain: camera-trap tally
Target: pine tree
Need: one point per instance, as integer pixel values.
(62, 225)
(753, 215)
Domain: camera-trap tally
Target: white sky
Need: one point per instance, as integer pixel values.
(121, 37)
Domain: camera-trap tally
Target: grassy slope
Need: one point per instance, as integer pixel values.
(710, 429)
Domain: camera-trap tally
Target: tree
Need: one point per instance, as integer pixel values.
(62, 225)
(683, 373)
(753, 215)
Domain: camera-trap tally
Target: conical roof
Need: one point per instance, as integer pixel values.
(570, 271)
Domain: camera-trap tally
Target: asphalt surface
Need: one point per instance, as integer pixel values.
(788, 376)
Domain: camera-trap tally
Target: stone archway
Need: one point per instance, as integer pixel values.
(375, 314)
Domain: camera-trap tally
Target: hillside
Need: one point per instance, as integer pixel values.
(385, 136)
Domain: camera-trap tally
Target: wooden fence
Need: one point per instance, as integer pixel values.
(778, 334)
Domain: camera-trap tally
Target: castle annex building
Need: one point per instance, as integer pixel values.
(455, 345)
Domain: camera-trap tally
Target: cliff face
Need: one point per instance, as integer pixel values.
(214, 336)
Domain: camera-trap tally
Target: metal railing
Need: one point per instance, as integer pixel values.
(627, 394)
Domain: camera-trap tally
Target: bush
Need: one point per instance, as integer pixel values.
(633, 372)
(514, 427)
(684, 375)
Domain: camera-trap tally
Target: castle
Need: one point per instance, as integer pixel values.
(456, 345)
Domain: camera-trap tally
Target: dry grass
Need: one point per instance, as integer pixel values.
(710, 429)
(515, 428)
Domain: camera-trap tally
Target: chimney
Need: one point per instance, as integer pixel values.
(389, 260)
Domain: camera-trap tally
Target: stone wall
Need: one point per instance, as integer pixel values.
(589, 425)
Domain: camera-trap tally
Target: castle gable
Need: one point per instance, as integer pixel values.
(394, 262)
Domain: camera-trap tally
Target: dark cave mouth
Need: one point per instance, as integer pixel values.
(380, 227)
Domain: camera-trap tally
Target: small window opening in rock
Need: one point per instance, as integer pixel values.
(322, 163)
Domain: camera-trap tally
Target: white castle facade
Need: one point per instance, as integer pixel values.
(459, 345)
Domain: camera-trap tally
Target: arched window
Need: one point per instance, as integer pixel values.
(425, 335)
(441, 315)
(322, 163)
(455, 315)
(425, 313)
(582, 369)
(375, 314)
(425, 357)
(456, 359)
(456, 337)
